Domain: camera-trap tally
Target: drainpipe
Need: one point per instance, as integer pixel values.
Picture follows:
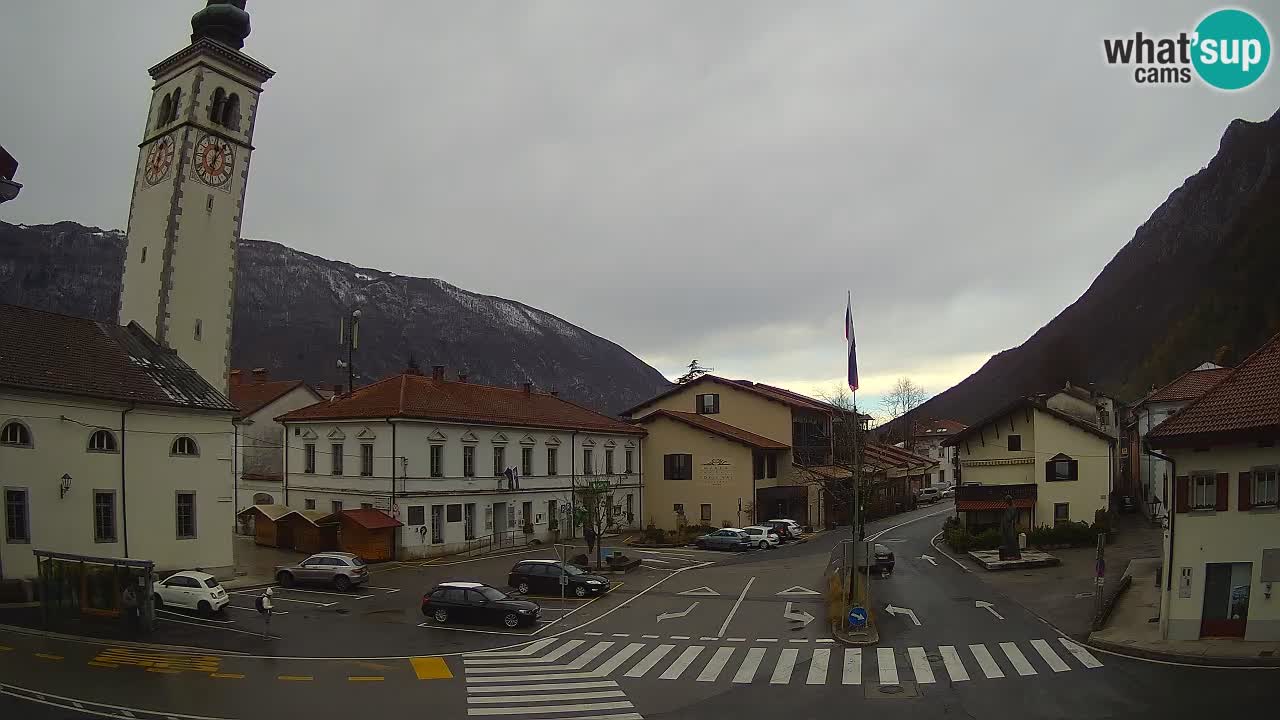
(573, 482)
(124, 502)
(284, 476)
(235, 471)
(1171, 512)
(395, 546)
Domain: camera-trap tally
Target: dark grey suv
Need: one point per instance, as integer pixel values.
(337, 569)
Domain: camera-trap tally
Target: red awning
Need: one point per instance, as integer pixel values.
(993, 504)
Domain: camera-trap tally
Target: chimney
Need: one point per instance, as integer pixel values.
(337, 389)
(555, 393)
(528, 388)
(437, 372)
(235, 377)
(259, 374)
(462, 377)
(413, 369)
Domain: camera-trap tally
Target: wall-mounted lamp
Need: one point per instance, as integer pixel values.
(66, 486)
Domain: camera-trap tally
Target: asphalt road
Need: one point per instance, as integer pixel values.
(692, 635)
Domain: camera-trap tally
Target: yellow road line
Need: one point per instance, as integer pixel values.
(47, 656)
(430, 668)
(163, 670)
(365, 678)
(95, 663)
(4, 648)
(294, 677)
(227, 676)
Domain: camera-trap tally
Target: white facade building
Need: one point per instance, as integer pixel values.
(432, 453)
(929, 437)
(260, 438)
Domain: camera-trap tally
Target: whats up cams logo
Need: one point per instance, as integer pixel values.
(1228, 50)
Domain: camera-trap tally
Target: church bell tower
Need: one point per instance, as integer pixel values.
(189, 189)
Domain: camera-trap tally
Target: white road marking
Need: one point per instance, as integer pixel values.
(716, 665)
(682, 663)
(750, 664)
(986, 662)
(1050, 657)
(554, 697)
(951, 659)
(653, 658)
(656, 560)
(735, 639)
(680, 637)
(920, 665)
(786, 664)
(622, 635)
(277, 598)
(542, 686)
(471, 678)
(799, 640)
(736, 605)
(349, 596)
(530, 649)
(887, 665)
(700, 591)
(526, 710)
(194, 617)
(908, 522)
(255, 610)
(766, 639)
(561, 651)
(798, 590)
(622, 656)
(585, 658)
(933, 541)
(852, 674)
(1080, 654)
(610, 716)
(647, 637)
(818, 667)
(512, 670)
(594, 634)
(707, 637)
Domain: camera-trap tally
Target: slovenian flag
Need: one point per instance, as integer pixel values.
(853, 349)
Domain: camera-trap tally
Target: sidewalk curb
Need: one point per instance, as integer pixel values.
(873, 636)
(95, 640)
(1198, 660)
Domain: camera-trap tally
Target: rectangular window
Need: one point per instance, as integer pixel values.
(309, 504)
(437, 461)
(453, 513)
(468, 460)
(706, 513)
(335, 456)
(757, 466)
(552, 520)
(186, 515)
(771, 465)
(630, 508)
(366, 506)
(678, 466)
(104, 516)
(627, 458)
(366, 459)
(1266, 485)
(708, 404)
(942, 476)
(608, 462)
(488, 517)
(309, 458)
(417, 515)
(553, 461)
(526, 461)
(469, 522)
(1204, 492)
(588, 464)
(678, 508)
(437, 523)
(1061, 513)
(499, 461)
(1015, 443)
(526, 509)
(335, 506)
(17, 516)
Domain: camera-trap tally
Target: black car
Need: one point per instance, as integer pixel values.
(882, 560)
(470, 602)
(544, 576)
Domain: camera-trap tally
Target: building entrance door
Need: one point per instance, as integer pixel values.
(1226, 599)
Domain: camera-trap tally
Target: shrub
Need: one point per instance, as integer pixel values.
(654, 535)
(1075, 534)
(988, 540)
(958, 538)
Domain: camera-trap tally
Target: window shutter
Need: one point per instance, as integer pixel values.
(1182, 493)
(666, 467)
(1048, 471)
(1245, 491)
(1222, 480)
(1075, 469)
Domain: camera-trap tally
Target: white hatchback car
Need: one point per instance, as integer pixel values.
(793, 527)
(763, 537)
(191, 589)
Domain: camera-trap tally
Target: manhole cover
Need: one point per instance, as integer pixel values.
(890, 689)
(933, 657)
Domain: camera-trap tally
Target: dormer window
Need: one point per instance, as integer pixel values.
(708, 404)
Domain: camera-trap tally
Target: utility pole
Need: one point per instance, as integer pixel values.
(349, 335)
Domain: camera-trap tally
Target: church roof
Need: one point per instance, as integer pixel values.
(49, 352)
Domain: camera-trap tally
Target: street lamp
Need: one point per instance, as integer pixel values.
(349, 335)
(66, 486)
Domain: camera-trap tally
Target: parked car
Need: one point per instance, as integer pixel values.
(763, 537)
(471, 602)
(882, 559)
(543, 576)
(928, 495)
(191, 589)
(725, 539)
(947, 492)
(338, 569)
(790, 528)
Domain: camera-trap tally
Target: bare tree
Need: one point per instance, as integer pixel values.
(843, 482)
(695, 371)
(593, 506)
(899, 403)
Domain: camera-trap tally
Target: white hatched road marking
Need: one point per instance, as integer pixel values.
(852, 674)
(542, 686)
(786, 664)
(645, 665)
(887, 666)
(617, 660)
(682, 663)
(716, 665)
(951, 659)
(530, 649)
(533, 678)
(561, 651)
(920, 665)
(1050, 657)
(523, 669)
(585, 658)
(1080, 654)
(1017, 659)
(818, 667)
(613, 716)
(750, 664)
(554, 697)
(986, 662)
(526, 710)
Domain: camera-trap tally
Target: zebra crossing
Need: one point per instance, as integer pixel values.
(590, 669)
(528, 684)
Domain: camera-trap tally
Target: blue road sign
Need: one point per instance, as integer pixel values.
(857, 616)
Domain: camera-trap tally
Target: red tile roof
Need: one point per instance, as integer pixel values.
(1189, 386)
(251, 397)
(724, 430)
(56, 353)
(994, 504)
(895, 456)
(423, 398)
(1243, 406)
(1020, 403)
(938, 428)
(367, 518)
(769, 392)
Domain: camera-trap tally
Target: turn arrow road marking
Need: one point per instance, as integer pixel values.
(668, 616)
(800, 617)
(930, 559)
(988, 606)
(903, 611)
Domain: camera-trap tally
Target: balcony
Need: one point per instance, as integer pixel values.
(992, 497)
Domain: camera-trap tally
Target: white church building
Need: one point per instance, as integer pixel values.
(116, 439)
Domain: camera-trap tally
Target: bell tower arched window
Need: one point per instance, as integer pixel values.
(231, 112)
(166, 106)
(216, 108)
(177, 105)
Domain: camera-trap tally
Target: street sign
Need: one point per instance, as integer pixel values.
(598, 485)
(857, 616)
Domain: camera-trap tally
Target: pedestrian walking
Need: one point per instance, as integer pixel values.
(129, 606)
(264, 608)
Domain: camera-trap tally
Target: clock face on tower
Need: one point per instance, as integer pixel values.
(214, 160)
(159, 158)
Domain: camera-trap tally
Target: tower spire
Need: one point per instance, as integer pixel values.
(223, 20)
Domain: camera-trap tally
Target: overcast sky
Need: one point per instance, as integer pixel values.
(688, 179)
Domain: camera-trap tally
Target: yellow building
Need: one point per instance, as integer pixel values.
(1055, 466)
(1222, 538)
